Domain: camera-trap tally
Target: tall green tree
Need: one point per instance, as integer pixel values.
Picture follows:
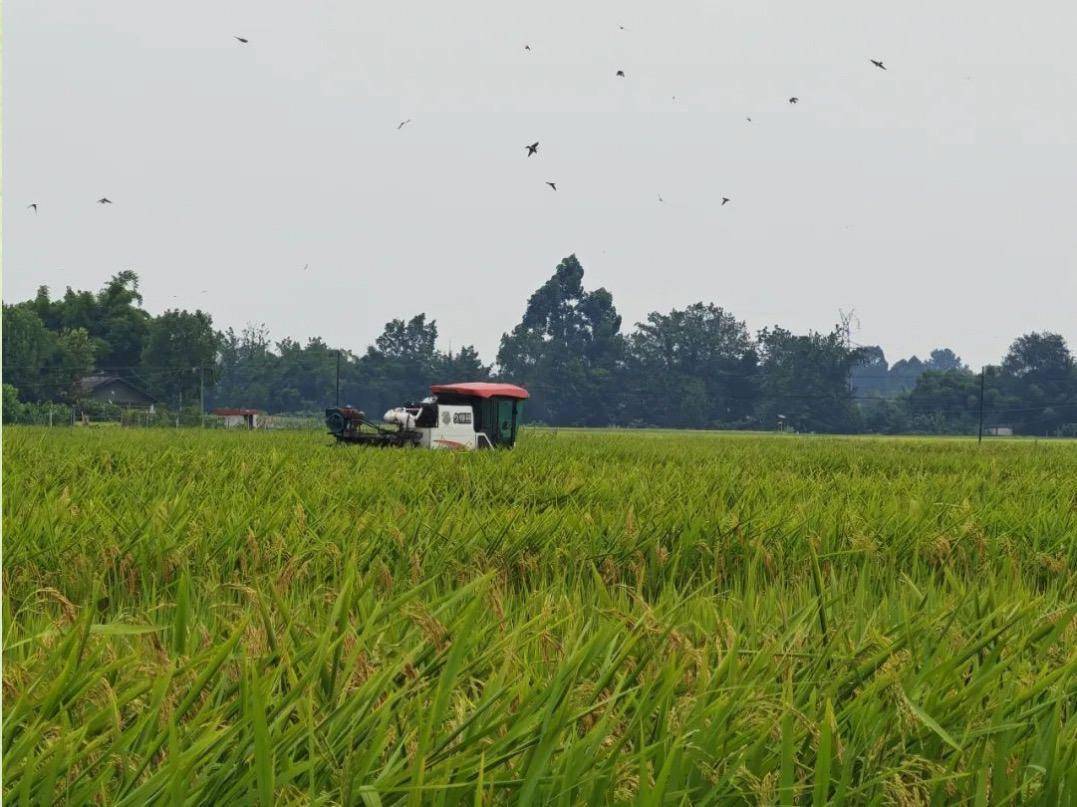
(44, 365)
(28, 349)
(72, 361)
(247, 368)
(904, 373)
(1038, 356)
(874, 377)
(567, 350)
(413, 340)
(180, 347)
(945, 402)
(464, 365)
(113, 318)
(870, 375)
(306, 375)
(121, 325)
(1039, 377)
(943, 359)
(695, 367)
(398, 368)
(805, 379)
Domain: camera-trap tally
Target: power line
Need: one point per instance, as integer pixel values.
(57, 378)
(327, 364)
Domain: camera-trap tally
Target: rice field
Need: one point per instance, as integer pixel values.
(628, 618)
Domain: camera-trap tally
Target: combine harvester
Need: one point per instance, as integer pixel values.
(458, 416)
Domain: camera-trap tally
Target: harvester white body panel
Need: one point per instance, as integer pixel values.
(455, 429)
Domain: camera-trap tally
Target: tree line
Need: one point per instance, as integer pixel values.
(696, 367)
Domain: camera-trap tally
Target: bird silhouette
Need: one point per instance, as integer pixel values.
(402, 124)
(241, 39)
(724, 200)
(33, 205)
(552, 185)
(660, 199)
(879, 65)
(621, 73)
(104, 200)
(306, 266)
(622, 27)
(793, 100)
(748, 119)
(532, 149)
(527, 47)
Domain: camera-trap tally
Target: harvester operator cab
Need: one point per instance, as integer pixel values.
(496, 409)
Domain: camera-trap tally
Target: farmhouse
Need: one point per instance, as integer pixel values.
(113, 389)
(238, 418)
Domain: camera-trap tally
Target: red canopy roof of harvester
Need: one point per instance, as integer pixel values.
(482, 389)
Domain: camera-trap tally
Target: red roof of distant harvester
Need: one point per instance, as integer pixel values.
(482, 389)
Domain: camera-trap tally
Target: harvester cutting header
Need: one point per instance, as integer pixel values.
(473, 415)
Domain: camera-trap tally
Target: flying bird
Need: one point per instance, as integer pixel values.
(879, 65)
(104, 200)
(621, 73)
(33, 205)
(622, 27)
(402, 124)
(748, 119)
(660, 199)
(306, 266)
(793, 100)
(724, 200)
(532, 149)
(527, 47)
(552, 185)
(241, 39)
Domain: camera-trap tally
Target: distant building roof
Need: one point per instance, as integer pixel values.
(92, 382)
(225, 411)
(99, 381)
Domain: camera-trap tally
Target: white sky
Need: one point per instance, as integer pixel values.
(937, 198)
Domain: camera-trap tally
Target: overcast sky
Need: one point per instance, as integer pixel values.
(937, 198)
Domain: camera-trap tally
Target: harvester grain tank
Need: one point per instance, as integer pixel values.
(477, 414)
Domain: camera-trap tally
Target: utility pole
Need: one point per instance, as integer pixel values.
(980, 435)
(202, 393)
(338, 378)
